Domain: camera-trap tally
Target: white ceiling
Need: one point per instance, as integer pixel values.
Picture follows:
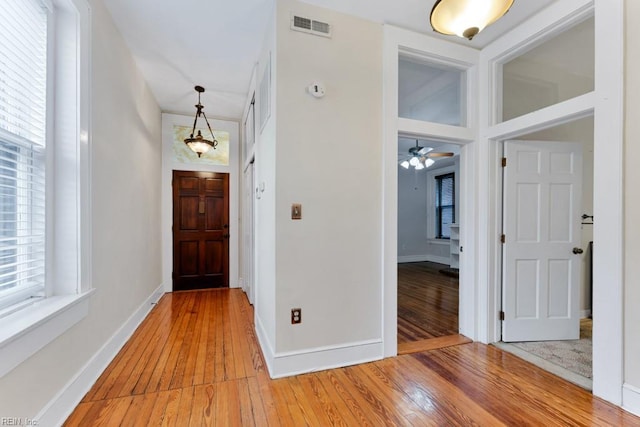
(215, 43)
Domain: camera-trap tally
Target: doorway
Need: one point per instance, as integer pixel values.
(563, 350)
(200, 230)
(428, 244)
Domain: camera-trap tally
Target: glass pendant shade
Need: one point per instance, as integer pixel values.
(428, 162)
(466, 18)
(414, 161)
(419, 166)
(405, 164)
(199, 145)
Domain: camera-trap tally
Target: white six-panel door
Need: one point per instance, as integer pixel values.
(541, 222)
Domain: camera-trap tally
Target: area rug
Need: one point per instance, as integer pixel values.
(573, 355)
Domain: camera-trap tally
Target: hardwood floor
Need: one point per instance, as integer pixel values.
(195, 361)
(427, 302)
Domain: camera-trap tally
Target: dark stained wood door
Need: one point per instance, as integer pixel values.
(200, 230)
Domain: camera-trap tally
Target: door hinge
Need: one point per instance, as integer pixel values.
(504, 162)
(501, 314)
(503, 238)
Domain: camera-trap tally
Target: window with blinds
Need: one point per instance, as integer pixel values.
(445, 205)
(23, 98)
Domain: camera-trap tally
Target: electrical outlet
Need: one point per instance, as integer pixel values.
(296, 316)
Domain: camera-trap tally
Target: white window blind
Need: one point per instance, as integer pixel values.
(23, 98)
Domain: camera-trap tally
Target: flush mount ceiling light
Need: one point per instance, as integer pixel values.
(466, 18)
(199, 144)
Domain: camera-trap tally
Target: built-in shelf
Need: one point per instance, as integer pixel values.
(454, 243)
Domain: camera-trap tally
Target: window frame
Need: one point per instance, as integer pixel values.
(439, 207)
(27, 327)
(431, 202)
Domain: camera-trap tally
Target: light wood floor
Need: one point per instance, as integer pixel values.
(195, 362)
(427, 302)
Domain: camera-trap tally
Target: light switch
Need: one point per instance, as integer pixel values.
(296, 211)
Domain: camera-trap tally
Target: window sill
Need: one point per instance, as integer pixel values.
(26, 331)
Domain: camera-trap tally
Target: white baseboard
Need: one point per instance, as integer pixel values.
(317, 359)
(61, 406)
(421, 258)
(631, 399)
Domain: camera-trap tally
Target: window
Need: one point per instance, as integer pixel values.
(445, 205)
(44, 121)
(23, 98)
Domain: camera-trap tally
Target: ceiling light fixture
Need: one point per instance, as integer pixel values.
(199, 144)
(421, 157)
(466, 18)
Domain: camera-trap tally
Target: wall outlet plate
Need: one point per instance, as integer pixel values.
(296, 316)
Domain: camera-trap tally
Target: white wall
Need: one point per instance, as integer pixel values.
(125, 149)
(326, 262)
(632, 201)
(416, 215)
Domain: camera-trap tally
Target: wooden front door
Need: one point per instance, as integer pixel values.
(200, 230)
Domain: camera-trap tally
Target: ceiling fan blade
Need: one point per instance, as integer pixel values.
(439, 155)
(424, 150)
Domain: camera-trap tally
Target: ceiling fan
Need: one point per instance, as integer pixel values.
(421, 157)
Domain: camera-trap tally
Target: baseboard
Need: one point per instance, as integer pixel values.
(631, 399)
(265, 343)
(61, 406)
(317, 359)
(323, 358)
(421, 258)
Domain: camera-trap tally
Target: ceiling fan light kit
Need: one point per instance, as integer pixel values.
(421, 157)
(466, 18)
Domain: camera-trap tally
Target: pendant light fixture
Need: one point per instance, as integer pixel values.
(199, 144)
(466, 18)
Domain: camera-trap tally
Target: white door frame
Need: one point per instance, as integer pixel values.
(606, 105)
(398, 40)
(480, 172)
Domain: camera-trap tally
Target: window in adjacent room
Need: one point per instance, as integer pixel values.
(445, 205)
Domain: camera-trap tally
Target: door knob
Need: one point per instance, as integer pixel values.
(577, 251)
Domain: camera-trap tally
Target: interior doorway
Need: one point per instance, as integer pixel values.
(200, 230)
(565, 351)
(428, 243)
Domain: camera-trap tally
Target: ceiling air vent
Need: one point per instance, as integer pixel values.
(306, 25)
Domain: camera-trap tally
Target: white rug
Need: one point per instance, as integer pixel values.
(571, 359)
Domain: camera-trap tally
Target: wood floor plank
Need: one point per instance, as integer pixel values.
(195, 361)
(163, 372)
(427, 302)
(159, 407)
(78, 414)
(200, 364)
(431, 344)
(258, 406)
(158, 342)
